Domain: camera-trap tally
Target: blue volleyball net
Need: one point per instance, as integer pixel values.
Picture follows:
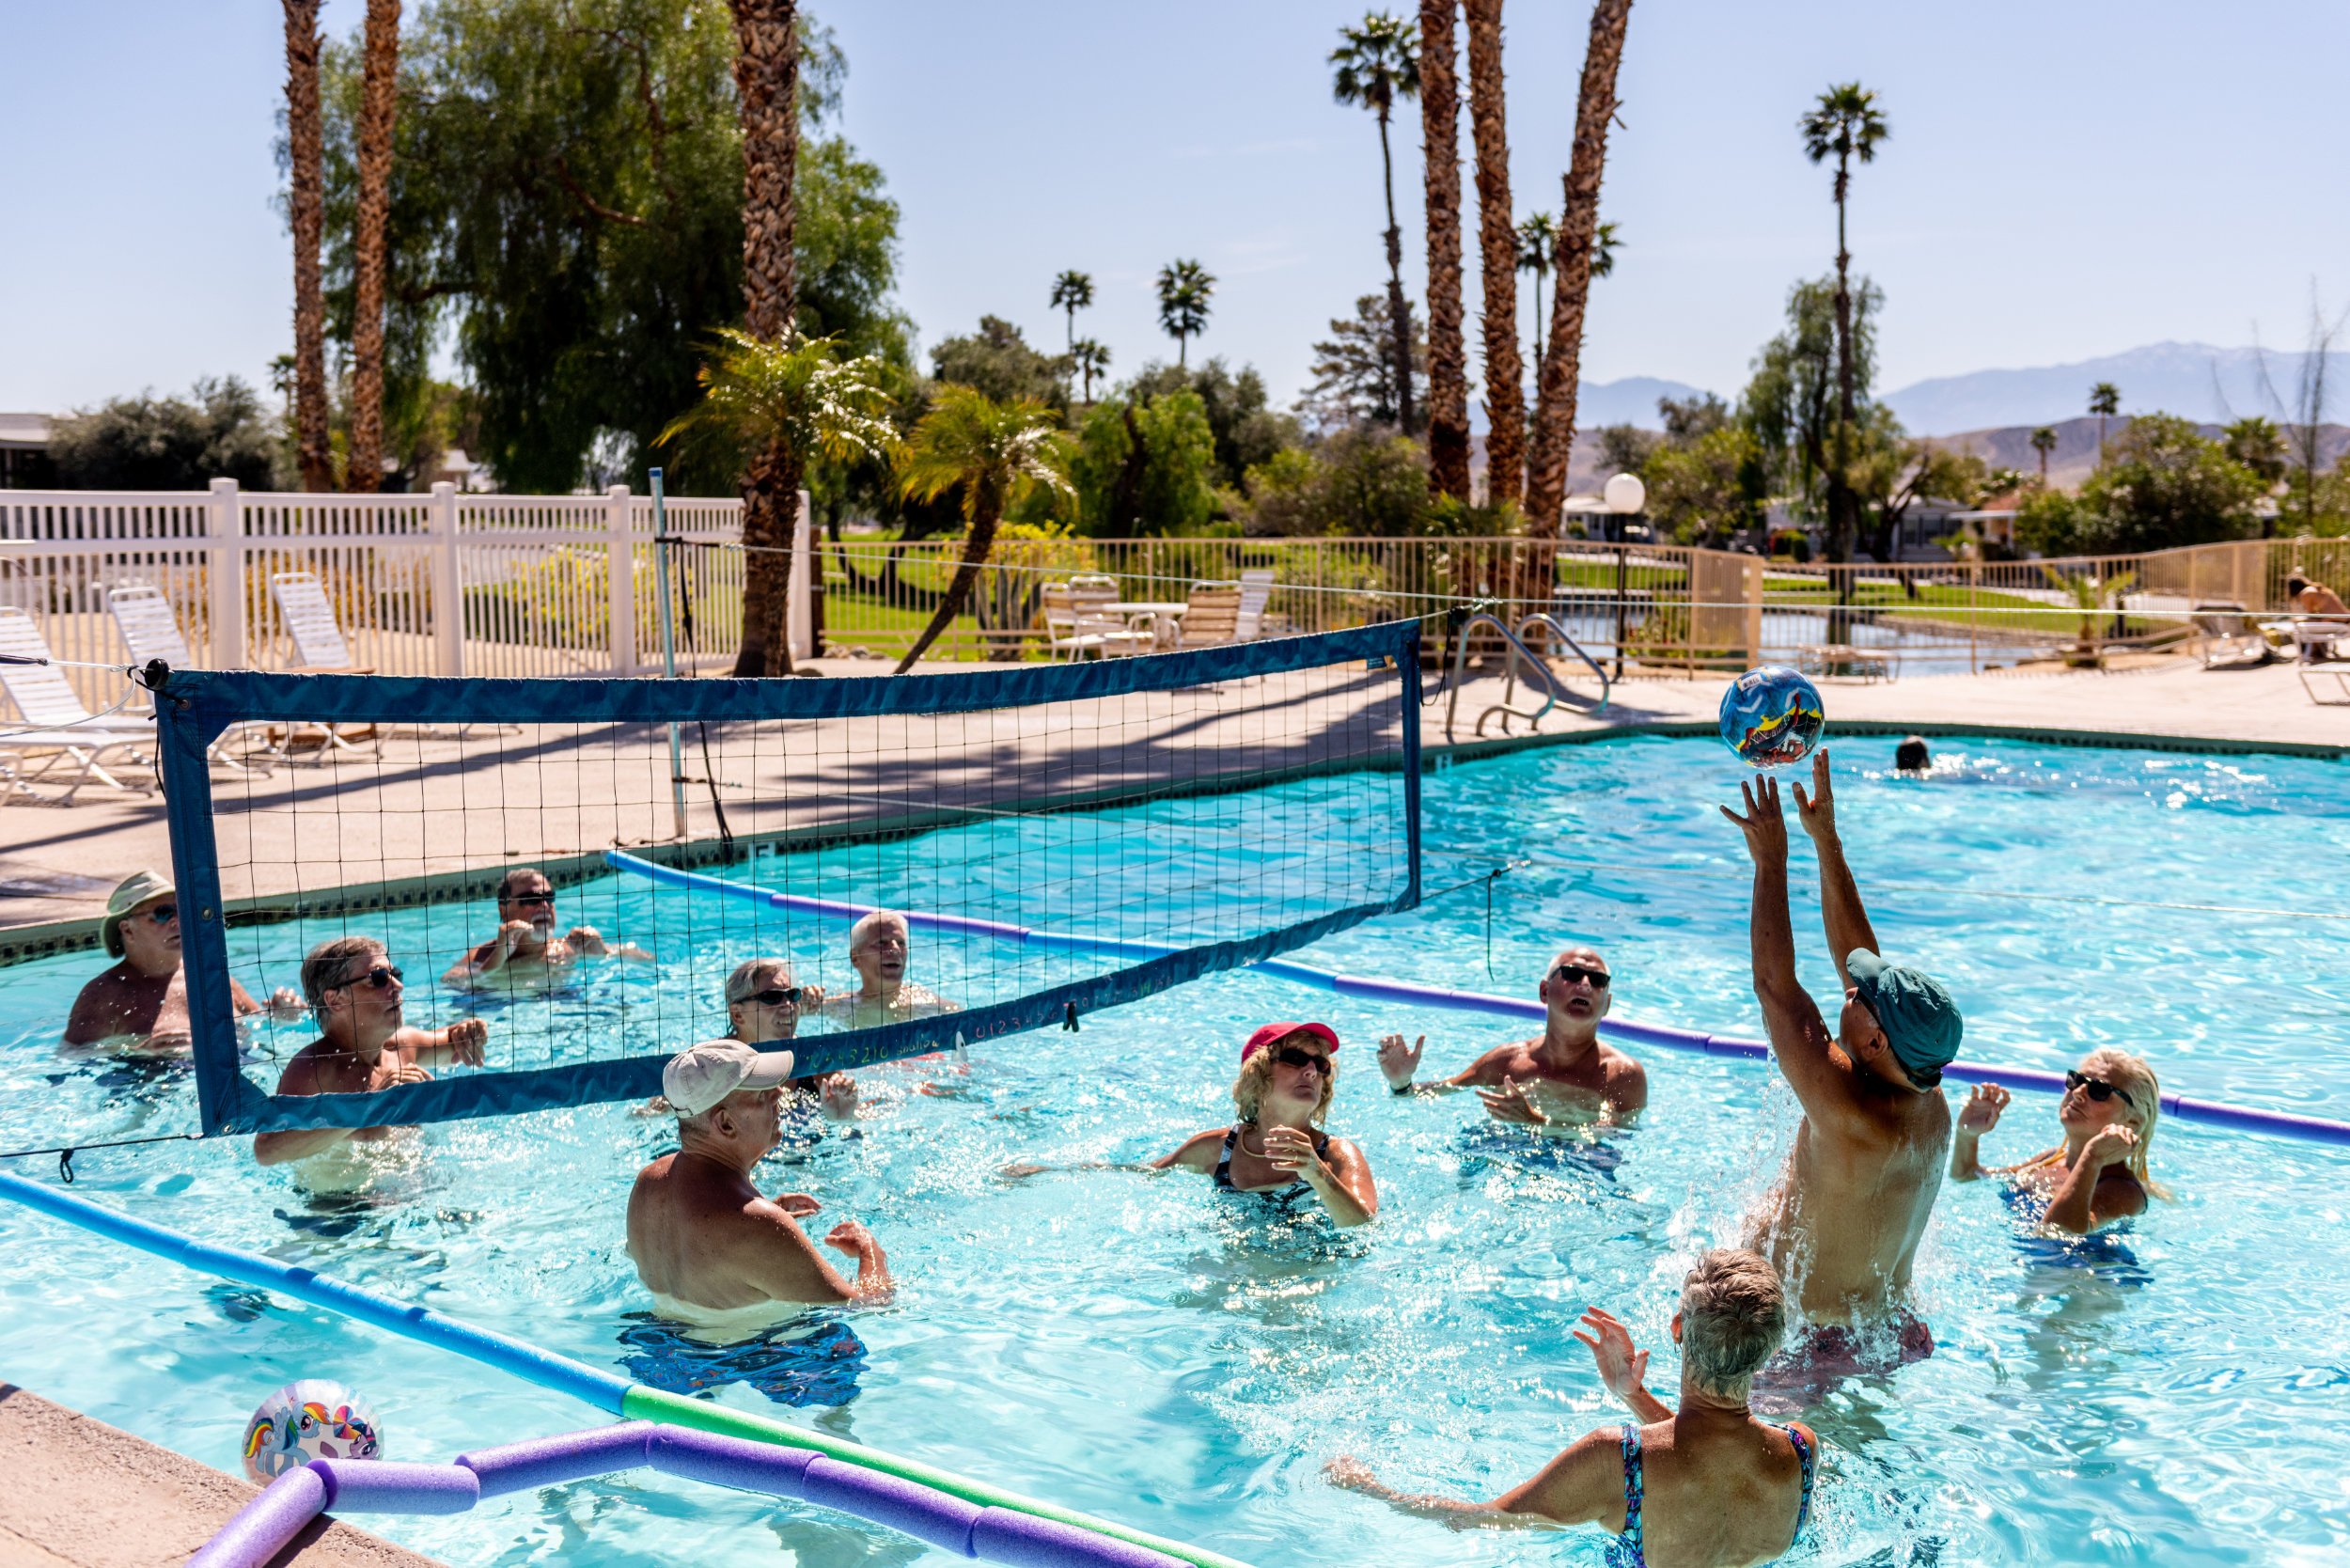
(1060, 839)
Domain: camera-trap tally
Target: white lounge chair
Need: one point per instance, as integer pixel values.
(318, 640)
(2315, 641)
(1214, 615)
(1256, 592)
(57, 729)
(150, 631)
(1077, 622)
(2224, 634)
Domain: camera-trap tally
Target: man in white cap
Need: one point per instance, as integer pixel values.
(139, 1007)
(707, 1245)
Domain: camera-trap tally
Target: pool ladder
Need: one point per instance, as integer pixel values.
(1554, 692)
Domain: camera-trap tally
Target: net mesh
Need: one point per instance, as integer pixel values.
(1075, 835)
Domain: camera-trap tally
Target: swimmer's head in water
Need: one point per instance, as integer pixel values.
(1578, 986)
(353, 988)
(525, 894)
(1911, 755)
(149, 889)
(1267, 1068)
(701, 1076)
(1903, 1012)
(1733, 1313)
(879, 946)
(763, 1000)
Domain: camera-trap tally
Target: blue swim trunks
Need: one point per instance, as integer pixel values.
(798, 1364)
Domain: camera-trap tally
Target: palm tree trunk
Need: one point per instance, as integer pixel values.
(987, 510)
(1552, 438)
(766, 83)
(1448, 356)
(379, 96)
(305, 204)
(1539, 274)
(1399, 309)
(1843, 509)
(1505, 374)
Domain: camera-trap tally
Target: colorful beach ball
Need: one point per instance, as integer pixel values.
(310, 1419)
(1772, 716)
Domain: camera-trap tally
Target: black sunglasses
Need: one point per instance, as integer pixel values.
(2098, 1088)
(777, 998)
(1596, 978)
(164, 913)
(547, 899)
(1290, 1056)
(383, 977)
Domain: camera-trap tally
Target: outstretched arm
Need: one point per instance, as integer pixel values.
(1977, 1117)
(1841, 912)
(1583, 1485)
(1800, 1036)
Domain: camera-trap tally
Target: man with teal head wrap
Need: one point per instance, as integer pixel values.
(1844, 1224)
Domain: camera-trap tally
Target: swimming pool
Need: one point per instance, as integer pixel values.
(1137, 1348)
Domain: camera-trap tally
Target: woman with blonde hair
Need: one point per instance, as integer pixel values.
(1288, 1076)
(2112, 1104)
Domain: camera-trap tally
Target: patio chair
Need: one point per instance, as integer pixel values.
(1214, 615)
(1077, 624)
(1256, 591)
(58, 731)
(2224, 633)
(318, 640)
(150, 631)
(2314, 640)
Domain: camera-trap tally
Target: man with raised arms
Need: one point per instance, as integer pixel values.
(364, 1046)
(1844, 1221)
(708, 1247)
(1567, 1074)
(526, 955)
(880, 946)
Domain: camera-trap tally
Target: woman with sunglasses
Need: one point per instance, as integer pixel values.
(1288, 1075)
(2098, 1175)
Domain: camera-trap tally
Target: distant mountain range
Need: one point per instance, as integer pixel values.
(2075, 453)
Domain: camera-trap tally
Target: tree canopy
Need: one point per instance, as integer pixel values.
(218, 431)
(998, 361)
(1355, 369)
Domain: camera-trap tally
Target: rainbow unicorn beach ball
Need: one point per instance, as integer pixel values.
(311, 1419)
(1772, 716)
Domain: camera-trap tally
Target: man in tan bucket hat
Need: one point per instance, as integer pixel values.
(140, 1006)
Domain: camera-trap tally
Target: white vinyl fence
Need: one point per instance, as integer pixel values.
(437, 584)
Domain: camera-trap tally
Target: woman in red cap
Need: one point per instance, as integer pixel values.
(1288, 1073)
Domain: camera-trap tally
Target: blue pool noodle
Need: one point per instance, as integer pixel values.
(2210, 1113)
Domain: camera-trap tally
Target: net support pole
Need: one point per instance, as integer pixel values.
(669, 646)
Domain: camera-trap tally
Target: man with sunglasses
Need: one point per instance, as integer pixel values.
(765, 1004)
(364, 1045)
(526, 955)
(1846, 1217)
(1568, 1073)
(139, 1007)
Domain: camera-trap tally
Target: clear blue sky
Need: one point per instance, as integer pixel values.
(2063, 180)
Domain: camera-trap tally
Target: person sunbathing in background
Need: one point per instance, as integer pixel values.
(364, 1045)
(711, 1250)
(526, 955)
(1566, 1075)
(139, 1006)
(2098, 1175)
(1705, 1485)
(881, 949)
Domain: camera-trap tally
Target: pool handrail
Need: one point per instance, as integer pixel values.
(2212, 1113)
(546, 1368)
(1554, 692)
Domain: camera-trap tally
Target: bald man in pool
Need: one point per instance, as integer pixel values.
(1845, 1218)
(1566, 1076)
(711, 1250)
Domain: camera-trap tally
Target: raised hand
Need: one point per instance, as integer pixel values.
(407, 1072)
(1289, 1148)
(1350, 1473)
(512, 934)
(811, 999)
(799, 1205)
(2110, 1145)
(1764, 822)
(1817, 812)
(1511, 1102)
(1621, 1368)
(589, 940)
(1982, 1111)
(850, 1237)
(286, 1004)
(1399, 1062)
(839, 1094)
(464, 1040)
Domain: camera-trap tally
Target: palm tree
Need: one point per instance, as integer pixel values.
(379, 95)
(1845, 124)
(1184, 289)
(2089, 597)
(1553, 435)
(1440, 161)
(768, 405)
(1072, 291)
(1538, 241)
(2105, 402)
(766, 89)
(1376, 64)
(2043, 441)
(306, 207)
(1498, 244)
(1091, 359)
(997, 454)
(1604, 243)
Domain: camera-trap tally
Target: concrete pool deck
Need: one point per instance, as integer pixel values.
(459, 809)
(81, 1493)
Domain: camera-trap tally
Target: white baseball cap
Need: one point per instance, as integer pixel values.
(701, 1075)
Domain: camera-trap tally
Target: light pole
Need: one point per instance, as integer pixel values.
(1624, 495)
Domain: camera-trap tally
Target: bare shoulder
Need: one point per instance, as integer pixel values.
(1627, 1080)
(1583, 1483)
(1200, 1150)
(301, 1076)
(1501, 1062)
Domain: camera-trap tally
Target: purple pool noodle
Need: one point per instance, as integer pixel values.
(1025, 1541)
(392, 1486)
(572, 1456)
(263, 1527)
(735, 1462)
(903, 1505)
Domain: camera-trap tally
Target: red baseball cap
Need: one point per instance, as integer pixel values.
(1272, 1032)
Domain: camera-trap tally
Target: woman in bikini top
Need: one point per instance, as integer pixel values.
(1288, 1075)
(1704, 1487)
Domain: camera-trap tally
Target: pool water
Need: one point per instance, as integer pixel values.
(1140, 1348)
